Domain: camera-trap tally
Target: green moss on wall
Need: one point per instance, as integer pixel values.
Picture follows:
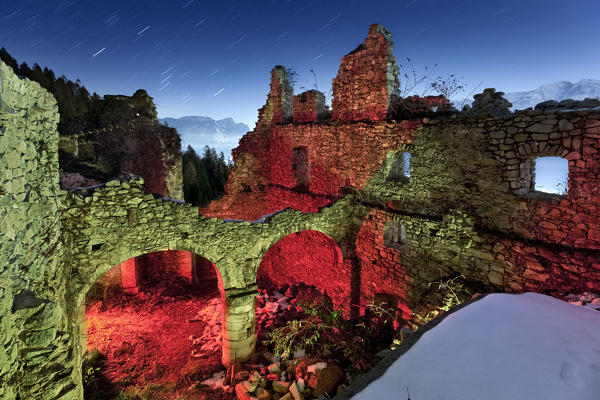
(34, 327)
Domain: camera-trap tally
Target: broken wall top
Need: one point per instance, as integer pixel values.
(367, 79)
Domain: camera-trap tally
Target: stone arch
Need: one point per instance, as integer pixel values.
(87, 280)
(311, 257)
(93, 277)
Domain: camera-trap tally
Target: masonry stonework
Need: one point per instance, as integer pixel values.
(467, 206)
(367, 81)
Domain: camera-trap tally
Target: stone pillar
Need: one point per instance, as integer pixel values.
(129, 276)
(239, 338)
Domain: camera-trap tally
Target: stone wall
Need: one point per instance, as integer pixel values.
(467, 204)
(122, 134)
(144, 148)
(279, 100)
(311, 258)
(35, 331)
(116, 222)
(54, 245)
(165, 266)
(367, 79)
(480, 167)
(484, 167)
(310, 106)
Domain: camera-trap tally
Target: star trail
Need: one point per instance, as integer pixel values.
(219, 54)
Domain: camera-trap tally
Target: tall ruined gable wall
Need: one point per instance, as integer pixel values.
(366, 79)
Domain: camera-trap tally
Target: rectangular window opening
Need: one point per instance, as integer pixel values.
(551, 175)
(400, 166)
(394, 234)
(301, 168)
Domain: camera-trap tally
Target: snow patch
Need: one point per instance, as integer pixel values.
(217, 381)
(527, 346)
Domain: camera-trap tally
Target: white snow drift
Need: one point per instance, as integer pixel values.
(503, 347)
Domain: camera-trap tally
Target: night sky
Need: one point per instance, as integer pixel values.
(213, 58)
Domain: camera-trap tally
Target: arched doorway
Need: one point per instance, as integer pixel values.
(153, 322)
(307, 257)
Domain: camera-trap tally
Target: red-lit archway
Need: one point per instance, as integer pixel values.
(157, 319)
(309, 257)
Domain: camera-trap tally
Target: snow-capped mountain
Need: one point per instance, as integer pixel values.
(198, 132)
(558, 91)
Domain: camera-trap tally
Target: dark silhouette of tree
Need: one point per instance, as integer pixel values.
(204, 178)
(7, 58)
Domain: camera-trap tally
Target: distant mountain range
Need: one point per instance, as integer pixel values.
(560, 90)
(224, 134)
(198, 132)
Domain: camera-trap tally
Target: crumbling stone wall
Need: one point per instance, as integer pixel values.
(483, 166)
(143, 148)
(279, 100)
(367, 81)
(34, 329)
(478, 166)
(119, 221)
(54, 245)
(467, 205)
(310, 106)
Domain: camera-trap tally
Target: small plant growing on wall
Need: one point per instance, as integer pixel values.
(293, 77)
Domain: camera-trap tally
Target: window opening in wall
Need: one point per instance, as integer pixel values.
(550, 175)
(394, 234)
(402, 233)
(301, 167)
(400, 167)
(406, 164)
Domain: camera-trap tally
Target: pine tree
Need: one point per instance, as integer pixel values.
(204, 177)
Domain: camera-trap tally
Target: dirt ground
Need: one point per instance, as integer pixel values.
(149, 338)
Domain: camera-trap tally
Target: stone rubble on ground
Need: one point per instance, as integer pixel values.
(300, 378)
(263, 383)
(586, 299)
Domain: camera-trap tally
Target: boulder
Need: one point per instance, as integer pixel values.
(263, 394)
(326, 380)
(295, 391)
(274, 368)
